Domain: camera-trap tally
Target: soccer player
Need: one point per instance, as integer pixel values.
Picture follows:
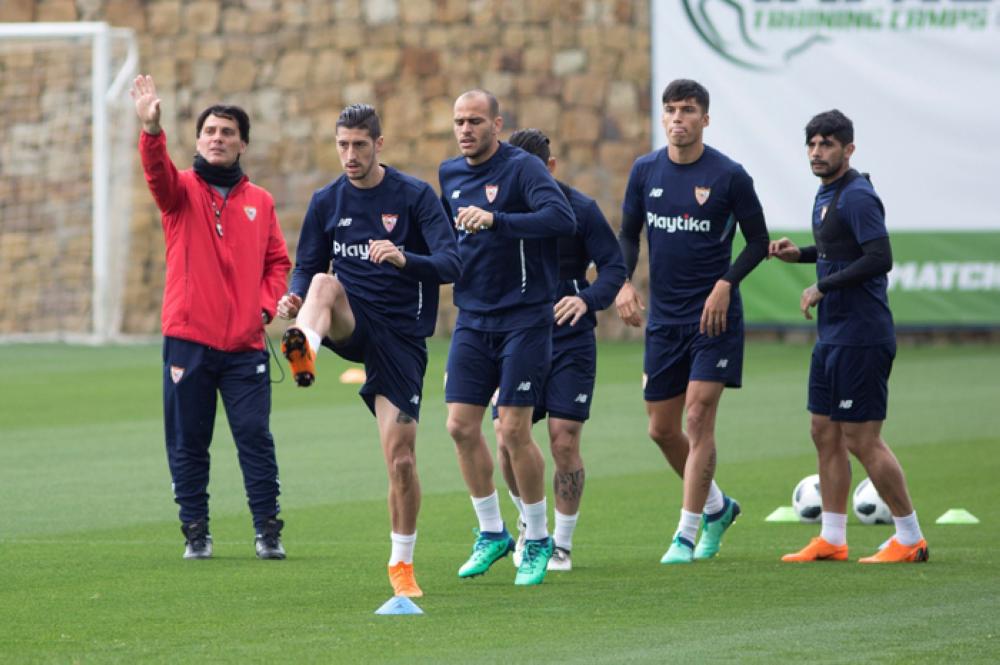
(226, 268)
(570, 386)
(690, 197)
(508, 212)
(855, 346)
(391, 246)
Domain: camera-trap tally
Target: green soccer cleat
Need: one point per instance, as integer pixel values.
(681, 551)
(534, 561)
(712, 530)
(488, 548)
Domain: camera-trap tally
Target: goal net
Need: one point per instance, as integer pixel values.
(66, 168)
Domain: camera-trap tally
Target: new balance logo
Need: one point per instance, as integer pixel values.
(344, 221)
(456, 193)
(524, 386)
(261, 368)
(656, 192)
(723, 363)
(581, 398)
(415, 399)
(846, 403)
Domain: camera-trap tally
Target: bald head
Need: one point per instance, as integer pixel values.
(482, 96)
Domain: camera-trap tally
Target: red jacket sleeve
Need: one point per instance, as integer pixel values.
(161, 174)
(276, 267)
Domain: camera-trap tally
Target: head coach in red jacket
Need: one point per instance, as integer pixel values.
(226, 268)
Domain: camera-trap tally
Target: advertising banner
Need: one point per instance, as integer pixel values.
(921, 81)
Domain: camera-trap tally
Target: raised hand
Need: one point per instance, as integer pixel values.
(147, 103)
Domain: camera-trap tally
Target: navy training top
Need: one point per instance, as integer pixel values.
(594, 241)
(509, 271)
(340, 221)
(691, 212)
(857, 315)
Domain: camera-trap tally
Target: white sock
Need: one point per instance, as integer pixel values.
(536, 520)
(716, 501)
(687, 528)
(519, 504)
(313, 338)
(563, 535)
(834, 528)
(908, 529)
(402, 547)
(488, 512)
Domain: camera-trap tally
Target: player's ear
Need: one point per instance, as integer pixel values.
(704, 120)
(378, 144)
(848, 150)
(552, 165)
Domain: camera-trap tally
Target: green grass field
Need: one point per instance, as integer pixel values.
(90, 549)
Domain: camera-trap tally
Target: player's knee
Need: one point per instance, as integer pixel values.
(664, 436)
(514, 434)
(565, 445)
(326, 289)
(699, 419)
(461, 430)
(404, 468)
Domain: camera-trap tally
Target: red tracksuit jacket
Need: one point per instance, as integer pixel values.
(217, 285)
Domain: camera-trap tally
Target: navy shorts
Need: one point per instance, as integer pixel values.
(516, 361)
(394, 363)
(678, 354)
(850, 383)
(570, 387)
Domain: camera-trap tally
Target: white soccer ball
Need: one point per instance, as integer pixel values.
(869, 506)
(806, 499)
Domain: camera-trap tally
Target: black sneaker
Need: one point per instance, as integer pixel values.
(198, 542)
(268, 541)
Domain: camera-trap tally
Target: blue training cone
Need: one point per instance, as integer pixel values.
(399, 605)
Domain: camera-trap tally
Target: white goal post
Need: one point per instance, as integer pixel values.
(113, 63)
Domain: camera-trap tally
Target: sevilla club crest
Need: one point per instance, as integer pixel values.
(389, 221)
(701, 194)
(491, 192)
(176, 373)
(251, 212)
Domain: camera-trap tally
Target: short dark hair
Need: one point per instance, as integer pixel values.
(491, 99)
(234, 113)
(831, 123)
(361, 116)
(533, 141)
(680, 89)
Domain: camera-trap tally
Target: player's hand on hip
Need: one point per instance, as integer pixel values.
(629, 305)
(810, 298)
(473, 220)
(385, 251)
(784, 249)
(570, 309)
(147, 103)
(713, 314)
(289, 305)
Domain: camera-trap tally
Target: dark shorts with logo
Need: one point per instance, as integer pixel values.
(850, 383)
(516, 361)
(676, 355)
(570, 387)
(394, 363)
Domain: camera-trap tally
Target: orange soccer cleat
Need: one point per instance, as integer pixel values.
(818, 550)
(897, 552)
(403, 581)
(301, 358)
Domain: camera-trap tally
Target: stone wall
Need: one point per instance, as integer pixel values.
(577, 69)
